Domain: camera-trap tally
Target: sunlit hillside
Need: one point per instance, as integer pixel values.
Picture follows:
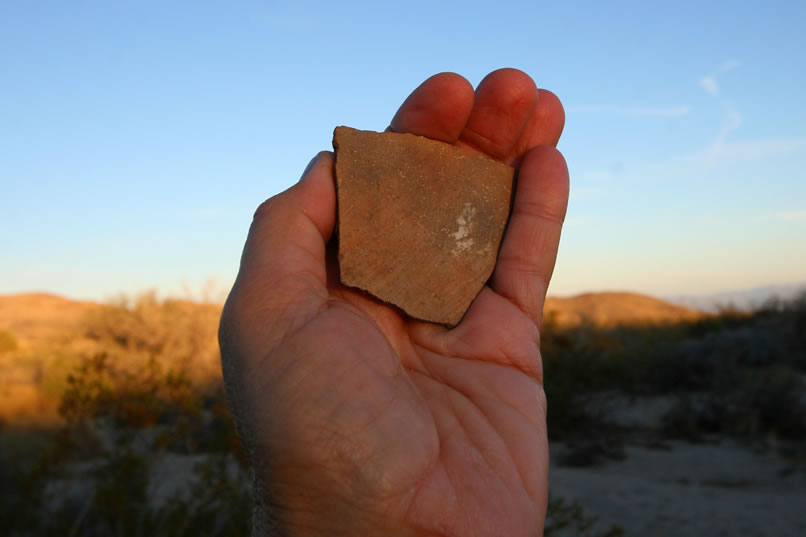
(612, 309)
(36, 317)
(45, 337)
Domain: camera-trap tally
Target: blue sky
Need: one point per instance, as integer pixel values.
(137, 138)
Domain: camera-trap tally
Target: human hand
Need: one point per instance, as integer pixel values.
(361, 421)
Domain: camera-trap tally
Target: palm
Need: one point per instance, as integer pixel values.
(452, 431)
(420, 429)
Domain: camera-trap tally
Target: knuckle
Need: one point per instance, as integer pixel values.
(266, 208)
(543, 209)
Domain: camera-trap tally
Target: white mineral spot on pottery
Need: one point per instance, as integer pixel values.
(463, 246)
(461, 236)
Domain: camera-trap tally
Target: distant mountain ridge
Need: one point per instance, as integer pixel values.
(616, 308)
(32, 317)
(743, 299)
(37, 316)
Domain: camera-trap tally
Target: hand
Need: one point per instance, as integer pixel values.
(361, 421)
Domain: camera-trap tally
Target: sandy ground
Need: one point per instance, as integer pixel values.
(715, 489)
(690, 490)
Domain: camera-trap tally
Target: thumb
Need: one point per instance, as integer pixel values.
(289, 231)
(282, 278)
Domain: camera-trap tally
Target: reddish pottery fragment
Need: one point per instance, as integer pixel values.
(419, 221)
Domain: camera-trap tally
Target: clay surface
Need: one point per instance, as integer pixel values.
(419, 221)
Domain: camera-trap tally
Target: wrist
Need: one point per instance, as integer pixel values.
(318, 512)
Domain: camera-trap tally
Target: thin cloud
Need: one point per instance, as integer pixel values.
(676, 111)
(761, 149)
(738, 152)
(709, 82)
(693, 164)
(633, 111)
(732, 118)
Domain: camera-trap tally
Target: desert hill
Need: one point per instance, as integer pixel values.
(43, 338)
(611, 309)
(35, 317)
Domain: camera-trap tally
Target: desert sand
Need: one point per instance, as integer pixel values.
(714, 489)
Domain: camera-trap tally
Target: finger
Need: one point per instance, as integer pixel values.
(438, 108)
(545, 125)
(289, 231)
(504, 102)
(283, 276)
(281, 281)
(529, 250)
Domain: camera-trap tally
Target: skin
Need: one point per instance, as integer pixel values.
(361, 421)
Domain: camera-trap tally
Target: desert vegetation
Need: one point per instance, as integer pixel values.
(124, 430)
(737, 374)
(116, 423)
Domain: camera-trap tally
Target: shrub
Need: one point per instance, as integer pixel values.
(563, 519)
(768, 401)
(8, 343)
(179, 335)
(99, 477)
(738, 373)
(136, 398)
(693, 416)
